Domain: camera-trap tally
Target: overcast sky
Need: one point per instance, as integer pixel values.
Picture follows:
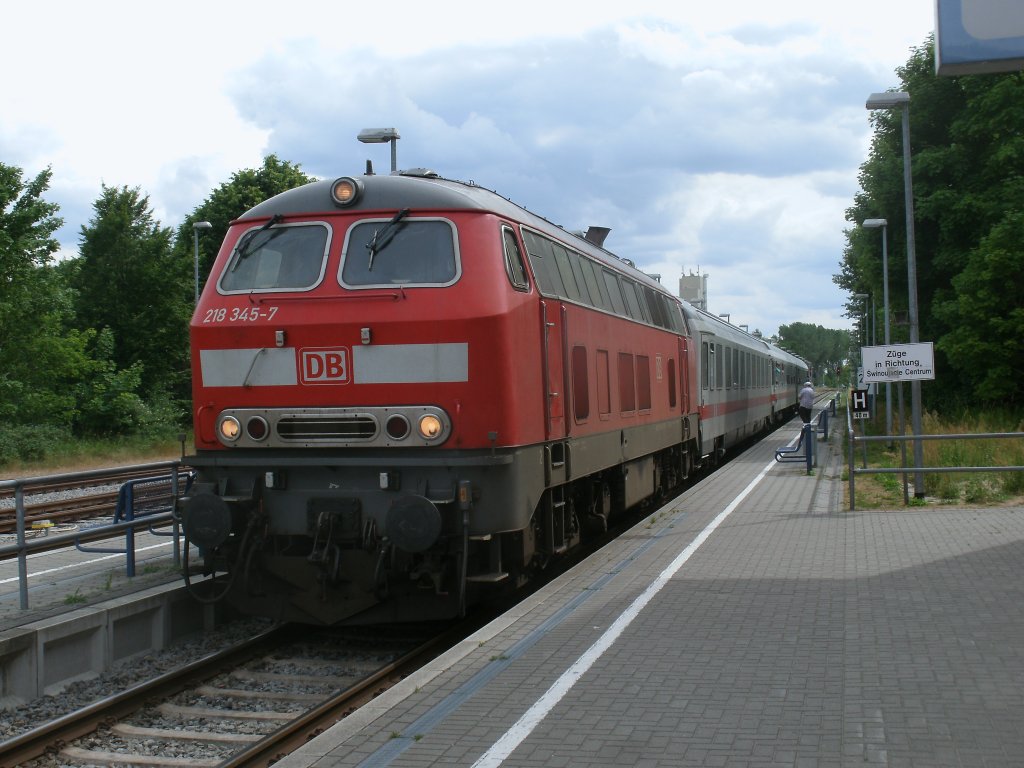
(716, 135)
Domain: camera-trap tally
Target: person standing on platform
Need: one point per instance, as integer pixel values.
(805, 401)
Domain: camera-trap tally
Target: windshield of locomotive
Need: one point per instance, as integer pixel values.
(281, 258)
(400, 251)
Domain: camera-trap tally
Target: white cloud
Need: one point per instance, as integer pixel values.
(721, 134)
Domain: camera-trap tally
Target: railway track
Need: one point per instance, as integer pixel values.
(247, 705)
(80, 501)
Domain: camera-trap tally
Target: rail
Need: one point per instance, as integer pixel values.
(25, 546)
(863, 440)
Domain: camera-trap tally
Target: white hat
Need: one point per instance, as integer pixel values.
(807, 383)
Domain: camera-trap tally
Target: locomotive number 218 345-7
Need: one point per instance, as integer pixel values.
(239, 314)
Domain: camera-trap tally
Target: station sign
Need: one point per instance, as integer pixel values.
(898, 362)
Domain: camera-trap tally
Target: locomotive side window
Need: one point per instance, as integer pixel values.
(568, 274)
(643, 382)
(283, 258)
(671, 382)
(598, 295)
(572, 290)
(514, 260)
(543, 263)
(654, 308)
(611, 282)
(604, 399)
(580, 384)
(633, 301)
(575, 261)
(627, 383)
(383, 252)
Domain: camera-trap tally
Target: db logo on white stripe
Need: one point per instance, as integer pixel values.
(324, 366)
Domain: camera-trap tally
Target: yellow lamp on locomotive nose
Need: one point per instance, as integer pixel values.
(430, 427)
(345, 190)
(230, 429)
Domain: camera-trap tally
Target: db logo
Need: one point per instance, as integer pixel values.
(324, 366)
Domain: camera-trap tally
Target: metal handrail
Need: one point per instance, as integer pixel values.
(24, 546)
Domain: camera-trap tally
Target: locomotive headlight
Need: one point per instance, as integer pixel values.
(346, 190)
(229, 429)
(430, 427)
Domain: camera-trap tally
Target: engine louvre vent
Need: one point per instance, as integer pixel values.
(307, 429)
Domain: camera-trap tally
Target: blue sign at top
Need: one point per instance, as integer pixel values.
(977, 36)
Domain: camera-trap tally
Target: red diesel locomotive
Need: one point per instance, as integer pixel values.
(410, 392)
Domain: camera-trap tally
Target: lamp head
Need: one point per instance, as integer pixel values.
(378, 135)
(887, 100)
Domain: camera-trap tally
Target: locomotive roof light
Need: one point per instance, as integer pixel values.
(229, 429)
(346, 190)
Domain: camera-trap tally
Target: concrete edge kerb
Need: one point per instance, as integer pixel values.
(43, 657)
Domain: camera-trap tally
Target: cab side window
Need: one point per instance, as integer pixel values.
(514, 261)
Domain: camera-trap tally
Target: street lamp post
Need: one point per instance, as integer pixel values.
(195, 231)
(874, 224)
(382, 136)
(901, 99)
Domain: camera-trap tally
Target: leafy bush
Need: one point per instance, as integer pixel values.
(25, 443)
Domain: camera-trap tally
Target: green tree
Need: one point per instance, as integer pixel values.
(129, 281)
(968, 176)
(38, 355)
(824, 348)
(986, 315)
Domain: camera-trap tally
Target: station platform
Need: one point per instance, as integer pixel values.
(67, 580)
(753, 621)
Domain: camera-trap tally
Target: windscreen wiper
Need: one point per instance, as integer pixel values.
(385, 234)
(247, 242)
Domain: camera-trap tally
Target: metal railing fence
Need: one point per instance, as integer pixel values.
(863, 440)
(25, 545)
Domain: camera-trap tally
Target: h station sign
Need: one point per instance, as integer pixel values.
(859, 404)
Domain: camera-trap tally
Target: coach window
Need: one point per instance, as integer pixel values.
(580, 384)
(407, 251)
(514, 266)
(707, 365)
(287, 257)
(643, 382)
(604, 398)
(722, 356)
